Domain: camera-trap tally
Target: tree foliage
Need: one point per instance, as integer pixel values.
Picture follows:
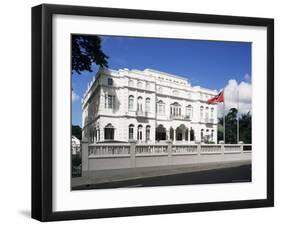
(77, 131)
(86, 50)
(245, 127)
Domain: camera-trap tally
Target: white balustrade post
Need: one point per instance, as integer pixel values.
(133, 153)
(169, 150)
(85, 155)
(199, 149)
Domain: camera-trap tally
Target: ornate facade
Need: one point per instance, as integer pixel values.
(147, 106)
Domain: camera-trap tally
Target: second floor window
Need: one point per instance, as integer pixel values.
(139, 84)
(109, 101)
(110, 81)
(175, 109)
(147, 104)
(207, 113)
(160, 107)
(188, 112)
(139, 106)
(212, 113)
(201, 112)
(131, 102)
(131, 83)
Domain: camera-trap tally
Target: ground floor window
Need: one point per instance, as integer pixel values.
(202, 135)
(140, 132)
(109, 132)
(131, 132)
(147, 133)
(186, 134)
(192, 138)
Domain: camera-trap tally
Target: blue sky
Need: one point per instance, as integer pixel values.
(210, 64)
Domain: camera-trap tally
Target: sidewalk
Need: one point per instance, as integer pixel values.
(116, 175)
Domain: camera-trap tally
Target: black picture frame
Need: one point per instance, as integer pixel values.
(42, 111)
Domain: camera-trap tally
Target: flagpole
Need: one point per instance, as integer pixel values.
(223, 118)
(237, 115)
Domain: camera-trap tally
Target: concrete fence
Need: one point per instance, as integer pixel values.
(131, 155)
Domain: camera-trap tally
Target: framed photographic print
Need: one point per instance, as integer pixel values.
(145, 112)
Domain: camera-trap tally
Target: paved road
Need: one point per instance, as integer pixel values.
(225, 175)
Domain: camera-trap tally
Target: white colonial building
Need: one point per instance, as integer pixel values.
(76, 146)
(147, 106)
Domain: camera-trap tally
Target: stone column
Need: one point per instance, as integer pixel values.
(175, 138)
(101, 135)
(167, 134)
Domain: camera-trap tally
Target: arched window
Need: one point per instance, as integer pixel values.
(147, 85)
(131, 83)
(131, 132)
(201, 112)
(140, 132)
(207, 136)
(140, 84)
(131, 102)
(202, 135)
(139, 106)
(147, 104)
(147, 133)
(192, 138)
(212, 135)
(109, 132)
(175, 92)
(160, 107)
(207, 113)
(186, 134)
(188, 112)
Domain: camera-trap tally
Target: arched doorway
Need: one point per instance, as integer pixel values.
(180, 132)
(160, 133)
(192, 137)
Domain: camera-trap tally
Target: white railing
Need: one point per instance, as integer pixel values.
(126, 150)
(109, 150)
(141, 113)
(211, 149)
(155, 149)
(184, 149)
(230, 148)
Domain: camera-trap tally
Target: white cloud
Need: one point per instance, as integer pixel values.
(231, 97)
(247, 77)
(75, 97)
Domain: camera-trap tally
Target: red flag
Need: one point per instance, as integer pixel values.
(217, 99)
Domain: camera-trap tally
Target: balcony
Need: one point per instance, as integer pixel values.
(180, 117)
(141, 113)
(209, 120)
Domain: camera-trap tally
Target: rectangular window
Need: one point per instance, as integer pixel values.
(110, 81)
(109, 101)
